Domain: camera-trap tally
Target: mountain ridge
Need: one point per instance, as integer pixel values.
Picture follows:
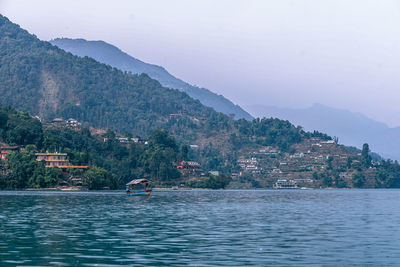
(47, 81)
(44, 79)
(115, 57)
(50, 82)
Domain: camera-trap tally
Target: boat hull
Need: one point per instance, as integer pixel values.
(139, 193)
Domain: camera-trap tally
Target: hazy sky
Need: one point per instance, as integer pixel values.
(342, 53)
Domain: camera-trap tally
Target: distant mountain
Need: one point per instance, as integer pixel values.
(113, 56)
(350, 127)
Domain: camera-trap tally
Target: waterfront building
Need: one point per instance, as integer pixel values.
(284, 184)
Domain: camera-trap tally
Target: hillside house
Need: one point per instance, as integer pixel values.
(137, 140)
(328, 142)
(188, 165)
(37, 118)
(58, 122)
(276, 171)
(124, 140)
(7, 149)
(56, 159)
(72, 123)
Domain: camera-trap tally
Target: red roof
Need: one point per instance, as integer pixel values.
(138, 181)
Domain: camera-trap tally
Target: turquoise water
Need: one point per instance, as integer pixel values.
(201, 228)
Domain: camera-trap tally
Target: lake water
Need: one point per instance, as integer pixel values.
(201, 228)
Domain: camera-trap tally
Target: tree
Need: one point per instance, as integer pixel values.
(336, 139)
(329, 162)
(21, 168)
(184, 154)
(162, 139)
(98, 178)
(211, 182)
(3, 119)
(365, 157)
(326, 180)
(358, 179)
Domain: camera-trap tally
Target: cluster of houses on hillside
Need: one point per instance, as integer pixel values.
(291, 170)
(75, 124)
(249, 164)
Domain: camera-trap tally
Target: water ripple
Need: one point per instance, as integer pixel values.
(201, 228)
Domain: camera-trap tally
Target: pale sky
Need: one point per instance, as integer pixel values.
(290, 53)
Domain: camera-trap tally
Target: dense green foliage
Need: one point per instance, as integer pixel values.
(154, 160)
(365, 157)
(388, 174)
(98, 178)
(19, 128)
(116, 163)
(268, 132)
(211, 182)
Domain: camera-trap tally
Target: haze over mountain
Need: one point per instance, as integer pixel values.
(350, 127)
(113, 56)
(340, 53)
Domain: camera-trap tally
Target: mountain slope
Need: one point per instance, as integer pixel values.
(352, 128)
(50, 82)
(111, 55)
(46, 80)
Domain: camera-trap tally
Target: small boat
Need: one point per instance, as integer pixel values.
(138, 187)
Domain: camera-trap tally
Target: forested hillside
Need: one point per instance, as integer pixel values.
(111, 55)
(49, 82)
(111, 164)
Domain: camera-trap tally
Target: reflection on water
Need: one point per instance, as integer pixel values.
(201, 228)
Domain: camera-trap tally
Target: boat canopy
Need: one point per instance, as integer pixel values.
(139, 181)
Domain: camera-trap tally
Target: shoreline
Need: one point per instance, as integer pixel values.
(160, 189)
